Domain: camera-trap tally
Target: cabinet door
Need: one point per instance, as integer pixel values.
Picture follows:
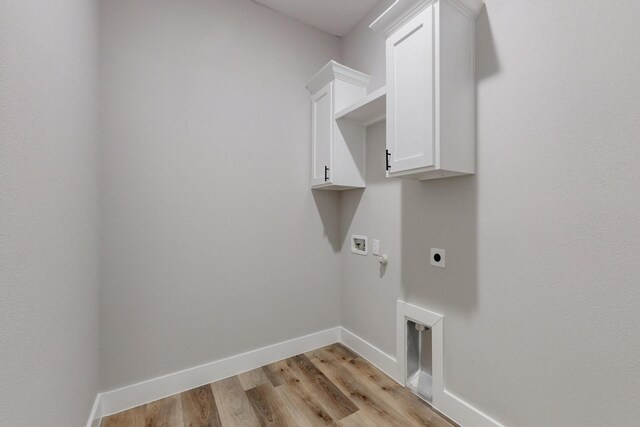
(321, 135)
(410, 97)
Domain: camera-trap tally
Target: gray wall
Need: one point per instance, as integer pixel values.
(48, 218)
(212, 243)
(540, 292)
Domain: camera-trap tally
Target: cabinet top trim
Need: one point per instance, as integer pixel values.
(401, 11)
(333, 70)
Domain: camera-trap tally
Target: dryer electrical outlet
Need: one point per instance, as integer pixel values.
(438, 257)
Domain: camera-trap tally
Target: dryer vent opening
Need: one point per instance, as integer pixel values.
(419, 360)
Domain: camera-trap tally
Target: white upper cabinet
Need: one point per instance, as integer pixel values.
(337, 148)
(322, 128)
(430, 91)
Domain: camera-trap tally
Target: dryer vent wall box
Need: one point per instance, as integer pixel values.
(431, 91)
(419, 360)
(359, 244)
(337, 151)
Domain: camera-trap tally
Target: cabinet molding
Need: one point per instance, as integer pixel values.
(401, 11)
(335, 71)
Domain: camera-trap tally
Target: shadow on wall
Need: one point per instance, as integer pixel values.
(382, 270)
(330, 206)
(350, 200)
(487, 63)
(442, 213)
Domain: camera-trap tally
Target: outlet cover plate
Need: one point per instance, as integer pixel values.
(375, 248)
(438, 257)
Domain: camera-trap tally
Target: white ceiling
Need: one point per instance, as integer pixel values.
(333, 16)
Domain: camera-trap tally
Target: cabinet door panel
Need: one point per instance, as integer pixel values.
(410, 73)
(322, 126)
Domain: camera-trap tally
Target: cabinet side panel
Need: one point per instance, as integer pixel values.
(348, 138)
(457, 90)
(346, 94)
(349, 158)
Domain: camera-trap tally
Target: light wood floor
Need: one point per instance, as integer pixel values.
(328, 386)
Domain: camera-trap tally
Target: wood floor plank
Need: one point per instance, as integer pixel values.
(344, 352)
(410, 405)
(164, 413)
(332, 352)
(269, 407)
(274, 376)
(328, 394)
(253, 378)
(328, 386)
(199, 408)
(366, 369)
(131, 418)
(303, 406)
(233, 405)
(284, 371)
(298, 395)
(366, 399)
(358, 419)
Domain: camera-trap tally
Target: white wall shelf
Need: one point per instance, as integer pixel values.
(369, 110)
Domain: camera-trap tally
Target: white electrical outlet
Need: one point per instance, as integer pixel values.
(375, 248)
(437, 257)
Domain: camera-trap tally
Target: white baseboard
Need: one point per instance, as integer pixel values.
(463, 413)
(381, 360)
(157, 388)
(95, 417)
(121, 399)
